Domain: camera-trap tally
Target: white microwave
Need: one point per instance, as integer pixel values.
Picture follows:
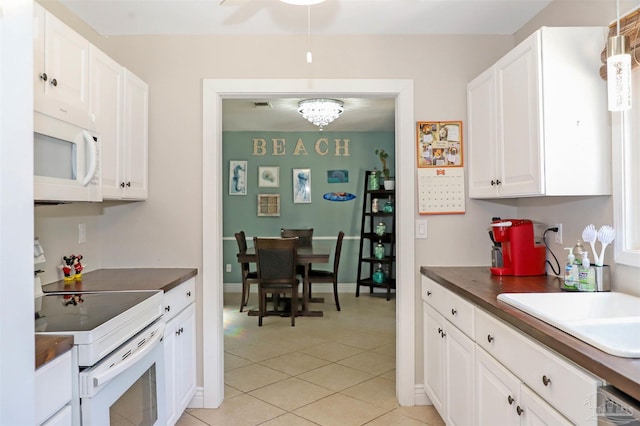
(66, 163)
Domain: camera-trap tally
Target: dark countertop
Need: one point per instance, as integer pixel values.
(49, 347)
(477, 285)
(126, 279)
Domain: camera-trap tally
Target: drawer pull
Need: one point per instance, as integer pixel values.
(510, 399)
(453, 312)
(546, 380)
(519, 410)
(490, 339)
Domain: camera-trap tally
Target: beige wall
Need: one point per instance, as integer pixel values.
(166, 229)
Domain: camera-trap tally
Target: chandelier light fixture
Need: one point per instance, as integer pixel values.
(320, 111)
(618, 70)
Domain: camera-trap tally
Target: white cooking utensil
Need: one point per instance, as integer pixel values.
(606, 234)
(589, 235)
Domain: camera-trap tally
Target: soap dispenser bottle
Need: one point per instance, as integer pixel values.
(586, 275)
(570, 271)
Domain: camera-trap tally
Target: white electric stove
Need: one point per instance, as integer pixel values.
(98, 321)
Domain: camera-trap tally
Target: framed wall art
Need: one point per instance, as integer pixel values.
(337, 176)
(301, 185)
(268, 177)
(237, 177)
(268, 204)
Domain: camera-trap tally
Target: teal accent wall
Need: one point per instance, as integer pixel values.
(327, 218)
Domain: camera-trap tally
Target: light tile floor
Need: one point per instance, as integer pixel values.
(335, 370)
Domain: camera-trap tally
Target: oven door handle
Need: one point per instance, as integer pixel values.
(144, 348)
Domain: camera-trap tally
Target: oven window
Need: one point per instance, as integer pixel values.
(138, 405)
(54, 157)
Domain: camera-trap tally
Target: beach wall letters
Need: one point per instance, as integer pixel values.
(279, 147)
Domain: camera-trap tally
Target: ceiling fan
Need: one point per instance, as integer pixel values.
(308, 3)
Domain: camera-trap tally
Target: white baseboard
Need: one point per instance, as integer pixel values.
(198, 399)
(421, 397)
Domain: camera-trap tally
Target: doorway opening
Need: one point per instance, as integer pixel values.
(214, 91)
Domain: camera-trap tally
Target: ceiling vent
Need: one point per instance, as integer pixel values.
(262, 105)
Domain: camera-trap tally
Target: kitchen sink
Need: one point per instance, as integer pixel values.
(609, 321)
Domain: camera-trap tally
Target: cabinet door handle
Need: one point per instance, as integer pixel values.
(167, 308)
(493, 182)
(188, 294)
(43, 76)
(498, 182)
(546, 380)
(428, 293)
(490, 339)
(54, 82)
(510, 399)
(439, 331)
(128, 184)
(519, 410)
(443, 334)
(121, 184)
(453, 312)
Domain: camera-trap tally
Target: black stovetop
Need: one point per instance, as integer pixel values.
(77, 312)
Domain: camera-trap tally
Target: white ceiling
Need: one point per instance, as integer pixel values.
(145, 17)
(135, 17)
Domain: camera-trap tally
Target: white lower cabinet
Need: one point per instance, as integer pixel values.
(449, 360)
(180, 349)
(434, 374)
(479, 370)
(459, 389)
(503, 399)
(54, 389)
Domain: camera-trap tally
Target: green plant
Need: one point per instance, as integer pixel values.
(382, 154)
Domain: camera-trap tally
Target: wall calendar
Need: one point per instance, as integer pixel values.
(440, 167)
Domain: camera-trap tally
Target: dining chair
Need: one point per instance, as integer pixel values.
(324, 276)
(305, 236)
(276, 260)
(248, 277)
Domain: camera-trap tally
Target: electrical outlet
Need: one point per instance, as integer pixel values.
(558, 239)
(228, 269)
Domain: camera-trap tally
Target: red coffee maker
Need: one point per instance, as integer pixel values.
(522, 255)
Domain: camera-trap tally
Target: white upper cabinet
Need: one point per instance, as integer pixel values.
(134, 181)
(61, 70)
(106, 105)
(119, 101)
(538, 120)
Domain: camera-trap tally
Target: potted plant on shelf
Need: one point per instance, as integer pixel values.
(389, 181)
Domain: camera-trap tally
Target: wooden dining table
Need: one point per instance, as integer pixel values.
(306, 255)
